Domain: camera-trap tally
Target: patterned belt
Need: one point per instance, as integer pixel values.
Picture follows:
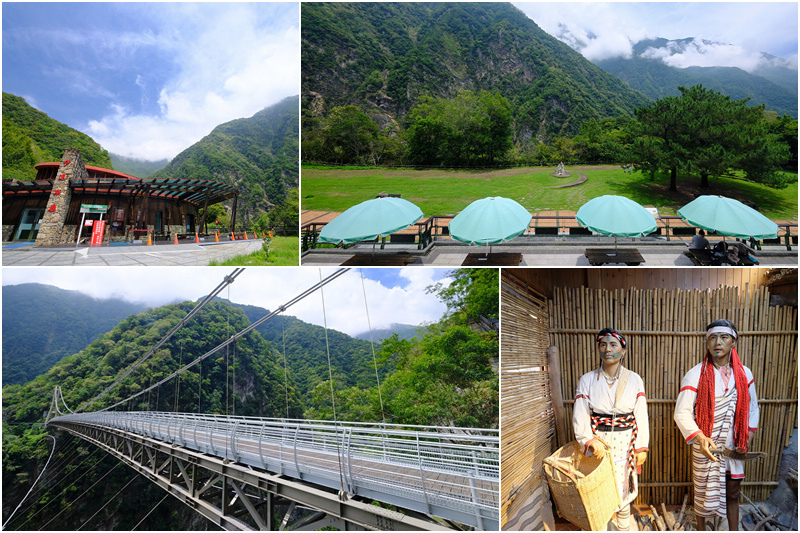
(604, 422)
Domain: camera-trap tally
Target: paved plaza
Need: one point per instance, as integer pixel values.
(546, 254)
(189, 254)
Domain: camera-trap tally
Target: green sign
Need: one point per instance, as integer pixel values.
(86, 208)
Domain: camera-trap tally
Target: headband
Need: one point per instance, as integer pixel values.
(721, 329)
(619, 337)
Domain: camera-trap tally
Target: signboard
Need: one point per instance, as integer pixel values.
(88, 208)
(97, 232)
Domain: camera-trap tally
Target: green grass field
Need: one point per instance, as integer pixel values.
(283, 251)
(446, 192)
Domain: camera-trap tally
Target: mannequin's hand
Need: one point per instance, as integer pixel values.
(706, 443)
(597, 448)
(641, 457)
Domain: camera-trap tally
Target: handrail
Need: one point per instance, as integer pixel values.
(438, 467)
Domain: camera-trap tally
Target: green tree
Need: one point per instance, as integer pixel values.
(473, 293)
(467, 130)
(347, 135)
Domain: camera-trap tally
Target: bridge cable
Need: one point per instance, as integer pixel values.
(285, 370)
(79, 497)
(227, 353)
(35, 482)
(59, 463)
(167, 495)
(372, 345)
(64, 490)
(196, 309)
(330, 377)
(136, 475)
(242, 333)
(178, 382)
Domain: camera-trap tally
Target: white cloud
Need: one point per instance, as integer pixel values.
(601, 30)
(698, 53)
(233, 62)
(263, 287)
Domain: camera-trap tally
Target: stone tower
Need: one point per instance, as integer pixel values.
(51, 230)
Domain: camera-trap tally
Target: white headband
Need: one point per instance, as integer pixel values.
(720, 329)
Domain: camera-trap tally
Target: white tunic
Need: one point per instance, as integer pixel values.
(593, 394)
(709, 477)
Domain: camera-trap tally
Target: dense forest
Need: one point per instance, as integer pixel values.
(34, 333)
(445, 376)
(31, 137)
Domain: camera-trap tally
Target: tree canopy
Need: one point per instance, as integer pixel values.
(705, 133)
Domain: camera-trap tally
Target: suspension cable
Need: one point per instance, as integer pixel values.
(285, 369)
(196, 309)
(35, 482)
(330, 379)
(109, 501)
(372, 345)
(79, 497)
(64, 490)
(150, 512)
(242, 333)
(64, 461)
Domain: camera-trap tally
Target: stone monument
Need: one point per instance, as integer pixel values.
(560, 172)
(52, 230)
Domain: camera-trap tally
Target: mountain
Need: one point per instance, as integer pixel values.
(258, 155)
(31, 137)
(136, 167)
(382, 57)
(646, 72)
(251, 374)
(307, 351)
(42, 324)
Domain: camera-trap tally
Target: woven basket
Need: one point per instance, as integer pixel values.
(584, 488)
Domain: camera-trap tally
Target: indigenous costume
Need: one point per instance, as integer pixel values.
(623, 424)
(722, 404)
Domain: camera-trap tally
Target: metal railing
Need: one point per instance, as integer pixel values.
(448, 472)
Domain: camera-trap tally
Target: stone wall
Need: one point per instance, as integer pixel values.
(52, 230)
(8, 232)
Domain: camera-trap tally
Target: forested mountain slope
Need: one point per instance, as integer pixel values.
(258, 155)
(42, 324)
(656, 79)
(382, 57)
(31, 137)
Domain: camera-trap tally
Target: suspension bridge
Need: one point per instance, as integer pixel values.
(238, 471)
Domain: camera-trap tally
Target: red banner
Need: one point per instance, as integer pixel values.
(97, 232)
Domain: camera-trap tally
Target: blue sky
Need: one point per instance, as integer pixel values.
(394, 295)
(148, 80)
(601, 30)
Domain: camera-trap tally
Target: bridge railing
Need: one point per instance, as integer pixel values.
(449, 472)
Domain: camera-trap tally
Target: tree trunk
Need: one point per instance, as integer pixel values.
(673, 179)
(704, 179)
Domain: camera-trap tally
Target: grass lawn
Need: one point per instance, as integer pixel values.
(446, 192)
(283, 251)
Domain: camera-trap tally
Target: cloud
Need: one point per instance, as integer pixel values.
(605, 30)
(699, 53)
(345, 309)
(232, 61)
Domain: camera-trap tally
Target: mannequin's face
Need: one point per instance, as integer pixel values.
(610, 349)
(720, 345)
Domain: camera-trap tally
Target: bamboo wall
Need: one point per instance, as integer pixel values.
(526, 417)
(666, 337)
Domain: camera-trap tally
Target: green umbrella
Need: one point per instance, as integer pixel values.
(617, 216)
(371, 219)
(490, 221)
(727, 216)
